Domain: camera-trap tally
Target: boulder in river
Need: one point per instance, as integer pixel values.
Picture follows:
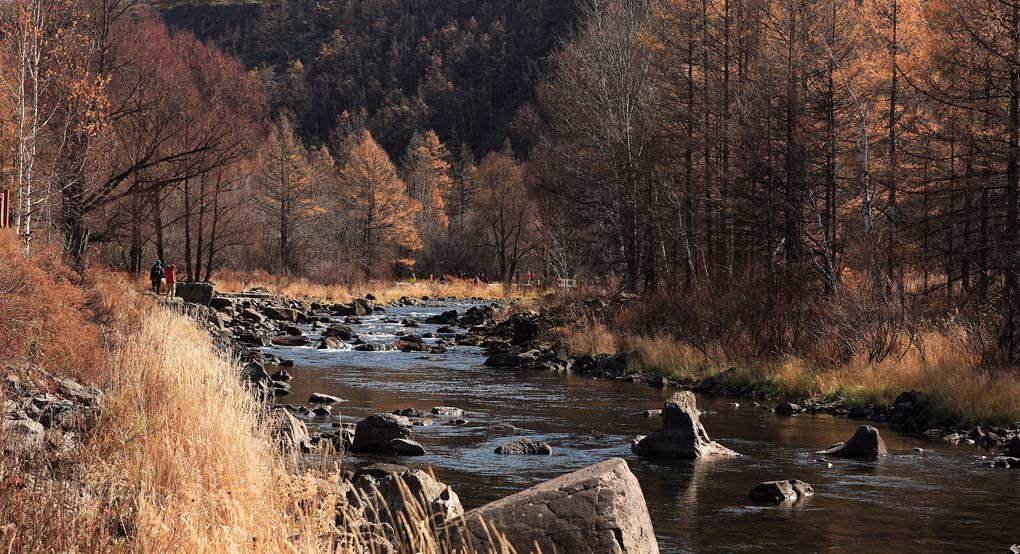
(287, 340)
(342, 332)
(866, 444)
(598, 509)
(280, 313)
(320, 398)
(330, 343)
(523, 446)
(373, 432)
(778, 492)
(788, 408)
(1013, 447)
(402, 447)
(682, 435)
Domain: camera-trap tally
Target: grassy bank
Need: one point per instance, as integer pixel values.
(939, 364)
(384, 291)
(181, 457)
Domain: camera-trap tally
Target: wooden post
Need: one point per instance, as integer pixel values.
(5, 209)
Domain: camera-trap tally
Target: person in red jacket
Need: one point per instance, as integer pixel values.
(171, 280)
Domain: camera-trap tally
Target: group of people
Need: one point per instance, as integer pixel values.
(160, 273)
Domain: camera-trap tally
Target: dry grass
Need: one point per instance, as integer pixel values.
(181, 459)
(940, 363)
(296, 287)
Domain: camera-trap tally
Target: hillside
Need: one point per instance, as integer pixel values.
(460, 67)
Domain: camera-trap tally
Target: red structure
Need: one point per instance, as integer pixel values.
(5, 209)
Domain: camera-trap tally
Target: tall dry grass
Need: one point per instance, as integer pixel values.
(181, 458)
(384, 291)
(941, 362)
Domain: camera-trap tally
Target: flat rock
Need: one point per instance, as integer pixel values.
(288, 340)
(597, 510)
(321, 398)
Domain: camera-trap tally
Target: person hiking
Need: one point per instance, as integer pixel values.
(156, 275)
(171, 280)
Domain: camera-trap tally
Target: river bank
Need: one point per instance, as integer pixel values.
(696, 506)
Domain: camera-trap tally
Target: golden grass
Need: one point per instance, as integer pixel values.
(384, 291)
(947, 372)
(181, 461)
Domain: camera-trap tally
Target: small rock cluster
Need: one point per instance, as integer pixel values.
(43, 412)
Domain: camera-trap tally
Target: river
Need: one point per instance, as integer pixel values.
(941, 500)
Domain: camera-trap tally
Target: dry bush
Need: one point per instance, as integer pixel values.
(43, 317)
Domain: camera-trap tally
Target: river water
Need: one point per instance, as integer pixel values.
(941, 500)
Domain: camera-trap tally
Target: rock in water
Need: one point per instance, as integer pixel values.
(447, 411)
(596, 510)
(777, 492)
(287, 340)
(1013, 447)
(320, 398)
(402, 447)
(866, 444)
(681, 434)
(375, 431)
(524, 446)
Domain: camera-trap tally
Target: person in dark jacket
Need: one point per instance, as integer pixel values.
(156, 276)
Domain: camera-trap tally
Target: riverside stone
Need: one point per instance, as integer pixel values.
(682, 435)
(597, 510)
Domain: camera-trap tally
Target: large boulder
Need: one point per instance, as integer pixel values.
(682, 435)
(374, 432)
(195, 293)
(342, 332)
(290, 433)
(596, 510)
(22, 435)
(397, 495)
(280, 313)
(866, 444)
(778, 492)
(524, 446)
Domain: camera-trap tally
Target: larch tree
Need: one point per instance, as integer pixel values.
(426, 174)
(285, 187)
(380, 212)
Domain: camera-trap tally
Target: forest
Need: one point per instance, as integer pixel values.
(845, 165)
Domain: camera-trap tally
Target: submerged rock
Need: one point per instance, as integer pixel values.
(447, 411)
(524, 446)
(866, 444)
(598, 509)
(682, 435)
(778, 492)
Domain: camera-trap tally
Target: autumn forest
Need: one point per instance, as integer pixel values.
(844, 165)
